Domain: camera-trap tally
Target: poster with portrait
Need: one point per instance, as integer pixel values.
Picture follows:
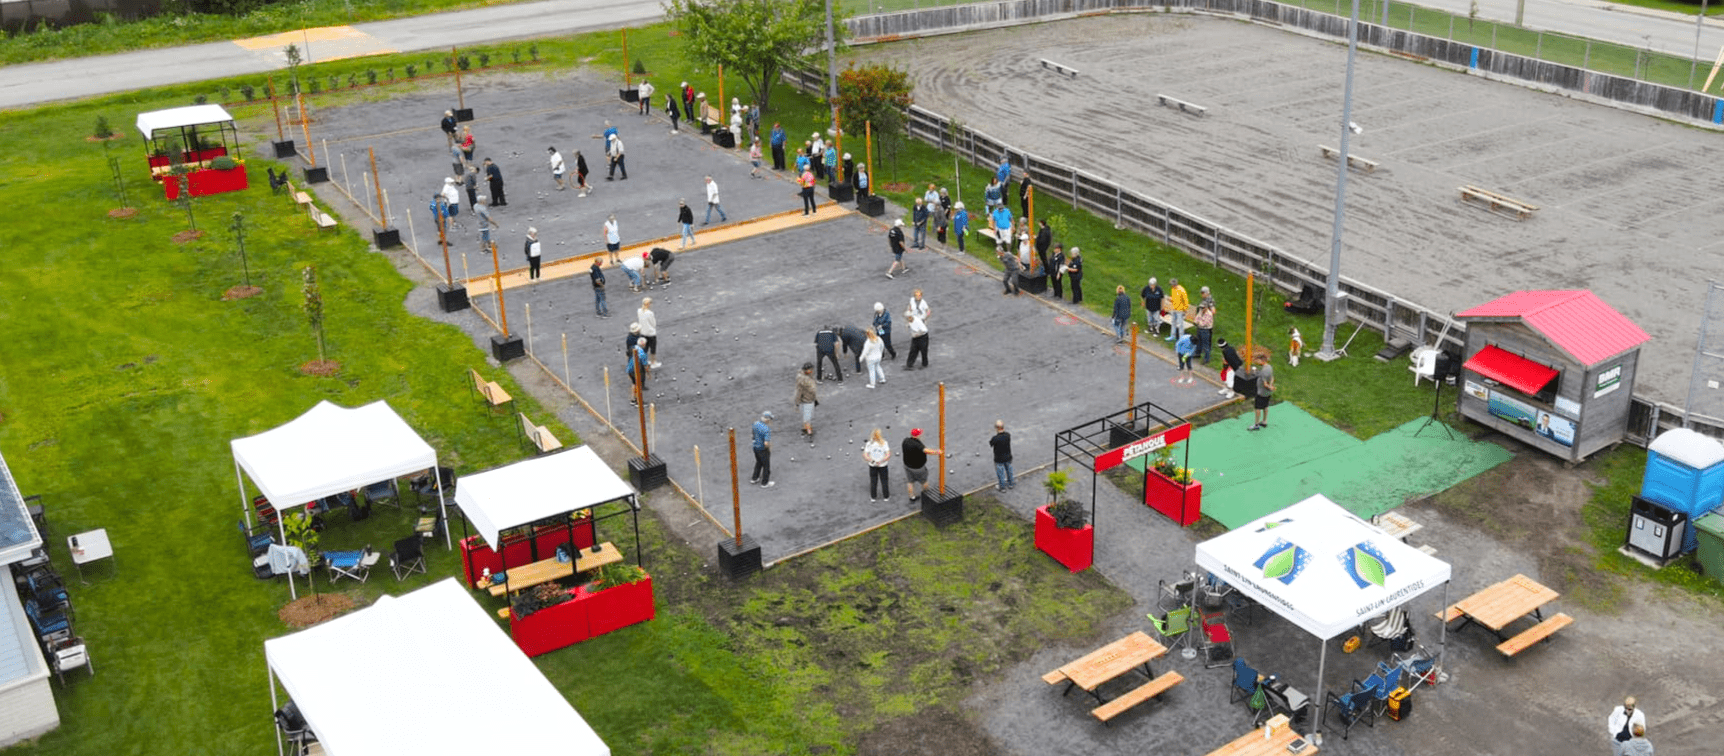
(1555, 427)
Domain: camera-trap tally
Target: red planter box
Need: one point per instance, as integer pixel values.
(1074, 548)
(1182, 503)
(618, 607)
(476, 556)
(207, 181)
(549, 629)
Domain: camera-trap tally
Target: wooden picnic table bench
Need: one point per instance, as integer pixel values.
(539, 435)
(1184, 107)
(1107, 711)
(546, 570)
(1499, 605)
(1110, 662)
(1498, 203)
(1353, 161)
(1396, 525)
(493, 393)
(1253, 743)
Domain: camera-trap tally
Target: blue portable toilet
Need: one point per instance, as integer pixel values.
(1685, 472)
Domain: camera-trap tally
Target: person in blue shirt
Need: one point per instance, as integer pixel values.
(1121, 313)
(1004, 175)
(832, 164)
(960, 223)
(992, 196)
(778, 147)
(637, 366)
(1185, 348)
(1003, 226)
(803, 164)
(763, 451)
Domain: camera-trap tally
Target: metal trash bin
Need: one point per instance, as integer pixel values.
(1710, 532)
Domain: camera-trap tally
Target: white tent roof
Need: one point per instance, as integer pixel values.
(427, 672)
(536, 489)
(330, 449)
(1320, 566)
(173, 118)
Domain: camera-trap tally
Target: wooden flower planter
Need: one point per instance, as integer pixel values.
(1074, 548)
(1183, 503)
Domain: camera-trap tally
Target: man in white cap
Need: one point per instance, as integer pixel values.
(895, 239)
(452, 197)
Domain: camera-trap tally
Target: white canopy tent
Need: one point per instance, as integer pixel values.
(1321, 568)
(399, 676)
(174, 118)
(542, 488)
(331, 449)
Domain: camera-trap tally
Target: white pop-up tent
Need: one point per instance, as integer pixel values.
(328, 450)
(1321, 568)
(402, 675)
(541, 488)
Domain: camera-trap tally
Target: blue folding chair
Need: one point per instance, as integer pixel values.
(1244, 682)
(47, 624)
(1352, 708)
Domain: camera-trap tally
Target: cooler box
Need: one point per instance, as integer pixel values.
(1656, 529)
(1711, 551)
(1400, 704)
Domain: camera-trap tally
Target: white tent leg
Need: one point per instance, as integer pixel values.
(239, 478)
(274, 706)
(1443, 635)
(281, 520)
(1322, 696)
(448, 538)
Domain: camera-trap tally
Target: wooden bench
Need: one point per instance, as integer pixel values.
(1534, 634)
(712, 116)
(1059, 69)
(1450, 614)
(1498, 203)
(322, 219)
(1428, 549)
(539, 435)
(1141, 693)
(1353, 161)
(545, 570)
(1184, 107)
(493, 393)
(298, 196)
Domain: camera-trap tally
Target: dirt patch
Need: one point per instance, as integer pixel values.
(122, 212)
(311, 610)
(241, 292)
(187, 235)
(1533, 502)
(935, 730)
(323, 368)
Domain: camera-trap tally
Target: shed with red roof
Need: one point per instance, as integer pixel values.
(1554, 369)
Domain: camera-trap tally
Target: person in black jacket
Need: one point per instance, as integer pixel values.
(1230, 356)
(895, 240)
(685, 218)
(494, 176)
(1044, 240)
(1074, 268)
(1057, 271)
(448, 126)
(1024, 195)
(854, 338)
(598, 275)
(826, 348)
(883, 327)
(660, 258)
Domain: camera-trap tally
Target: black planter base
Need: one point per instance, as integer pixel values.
(284, 149)
(841, 192)
(317, 175)
(648, 474)
(725, 139)
(942, 507)
(871, 205)
(1033, 284)
(738, 562)
(388, 238)
(452, 298)
(632, 94)
(512, 348)
(463, 115)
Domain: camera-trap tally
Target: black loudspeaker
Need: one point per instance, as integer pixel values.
(1448, 366)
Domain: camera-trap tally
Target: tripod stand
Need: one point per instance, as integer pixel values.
(1436, 407)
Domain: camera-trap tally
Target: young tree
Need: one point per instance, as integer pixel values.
(755, 39)
(314, 308)
(879, 95)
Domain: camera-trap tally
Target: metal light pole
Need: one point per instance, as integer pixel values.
(1332, 298)
(1699, 24)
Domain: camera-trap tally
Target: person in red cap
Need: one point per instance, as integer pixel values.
(916, 455)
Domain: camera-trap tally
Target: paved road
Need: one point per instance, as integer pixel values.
(69, 79)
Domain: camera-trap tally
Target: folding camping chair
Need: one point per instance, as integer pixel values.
(352, 564)
(1176, 625)
(408, 558)
(72, 654)
(293, 725)
(383, 492)
(1352, 708)
(1217, 639)
(1170, 595)
(1244, 681)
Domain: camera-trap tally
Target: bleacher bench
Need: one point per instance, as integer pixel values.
(1534, 634)
(1353, 161)
(322, 219)
(539, 436)
(1498, 203)
(1059, 69)
(493, 393)
(1141, 693)
(1184, 107)
(298, 196)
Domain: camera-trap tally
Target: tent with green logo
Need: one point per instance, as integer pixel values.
(1323, 569)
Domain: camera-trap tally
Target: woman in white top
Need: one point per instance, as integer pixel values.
(877, 453)
(649, 330)
(872, 349)
(613, 240)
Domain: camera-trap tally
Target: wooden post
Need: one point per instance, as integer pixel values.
(1031, 218)
(868, 134)
(942, 457)
(305, 128)
(838, 137)
(443, 239)
(735, 491)
(497, 282)
(568, 378)
(280, 136)
(1250, 278)
(460, 96)
(381, 208)
(628, 74)
(640, 408)
(1131, 387)
(721, 105)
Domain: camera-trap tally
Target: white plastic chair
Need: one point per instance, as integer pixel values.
(1424, 364)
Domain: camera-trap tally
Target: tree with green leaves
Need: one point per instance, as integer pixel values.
(754, 39)
(881, 96)
(314, 307)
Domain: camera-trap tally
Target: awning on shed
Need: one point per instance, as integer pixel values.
(1512, 370)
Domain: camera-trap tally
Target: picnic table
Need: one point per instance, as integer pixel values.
(1397, 525)
(1253, 743)
(1499, 605)
(546, 570)
(1110, 662)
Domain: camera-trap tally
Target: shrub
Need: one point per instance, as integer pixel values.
(200, 99)
(370, 76)
(484, 60)
(316, 86)
(515, 54)
(640, 67)
(412, 70)
(248, 91)
(103, 130)
(533, 50)
(224, 163)
(463, 62)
